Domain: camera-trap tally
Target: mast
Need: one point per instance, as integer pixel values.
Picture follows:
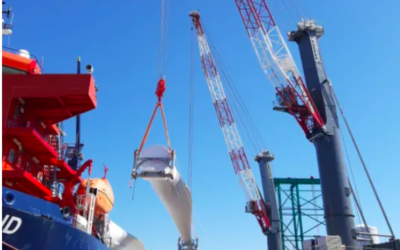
(76, 156)
(336, 192)
(78, 117)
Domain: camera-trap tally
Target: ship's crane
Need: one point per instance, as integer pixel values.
(241, 166)
(278, 64)
(315, 112)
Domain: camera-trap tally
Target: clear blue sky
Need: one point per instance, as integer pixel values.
(120, 38)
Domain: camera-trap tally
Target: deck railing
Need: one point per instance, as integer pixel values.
(21, 122)
(17, 52)
(44, 174)
(7, 26)
(65, 151)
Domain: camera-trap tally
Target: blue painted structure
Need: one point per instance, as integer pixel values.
(30, 223)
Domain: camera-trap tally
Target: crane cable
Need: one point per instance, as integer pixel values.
(162, 49)
(355, 193)
(241, 113)
(307, 15)
(288, 11)
(295, 8)
(159, 92)
(357, 199)
(191, 113)
(361, 159)
(161, 72)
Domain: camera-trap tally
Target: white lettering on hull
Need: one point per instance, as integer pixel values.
(9, 226)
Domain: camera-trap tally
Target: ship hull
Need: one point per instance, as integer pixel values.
(31, 224)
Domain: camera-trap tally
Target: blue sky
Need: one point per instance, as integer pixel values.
(120, 39)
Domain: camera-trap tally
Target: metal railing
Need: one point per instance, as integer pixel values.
(17, 52)
(66, 151)
(69, 154)
(52, 140)
(82, 201)
(24, 162)
(7, 26)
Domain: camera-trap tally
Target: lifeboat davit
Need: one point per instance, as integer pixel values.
(105, 195)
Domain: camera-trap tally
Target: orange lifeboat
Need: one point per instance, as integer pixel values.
(105, 196)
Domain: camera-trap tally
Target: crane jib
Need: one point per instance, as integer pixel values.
(278, 64)
(241, 166)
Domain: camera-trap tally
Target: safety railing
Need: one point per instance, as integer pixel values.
(24, 162)
(279, 104)
(66, 151)
(21, 122)
(81, 202)
(70, 155)
(17, 52)
(7, 26)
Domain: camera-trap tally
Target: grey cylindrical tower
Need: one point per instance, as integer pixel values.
(274, 237)
(332, 170)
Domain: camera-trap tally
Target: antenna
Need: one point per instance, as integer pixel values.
(7, 11)
(105, 171)
(74, 161)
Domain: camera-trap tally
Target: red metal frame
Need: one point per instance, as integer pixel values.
(43, 100)
(237, 154)
(255, 14)
(68, 195)
(159, 93)
(29, 66)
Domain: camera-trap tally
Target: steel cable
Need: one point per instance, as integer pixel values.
(247, 123)
(362, 160)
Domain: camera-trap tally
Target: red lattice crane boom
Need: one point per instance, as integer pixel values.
(277, 63)
(241, 166)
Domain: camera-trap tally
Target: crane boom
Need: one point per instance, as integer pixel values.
(241, 165)
(278, 64)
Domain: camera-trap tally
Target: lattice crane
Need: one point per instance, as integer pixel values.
(278, 64)
(241, 166)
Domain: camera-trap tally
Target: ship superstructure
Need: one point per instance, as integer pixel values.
(42, 208)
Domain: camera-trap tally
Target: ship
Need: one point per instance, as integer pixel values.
(46, 202)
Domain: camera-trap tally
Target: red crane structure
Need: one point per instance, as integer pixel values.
(241, 166)
(279, 66)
